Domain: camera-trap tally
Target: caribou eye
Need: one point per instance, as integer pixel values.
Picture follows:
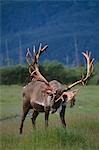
(51, 95)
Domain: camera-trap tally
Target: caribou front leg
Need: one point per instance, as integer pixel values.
(62, 116)
(47, 110)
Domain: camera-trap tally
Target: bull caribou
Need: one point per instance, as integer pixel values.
(43, 96)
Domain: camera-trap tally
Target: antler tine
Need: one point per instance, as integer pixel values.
(28, 62)
(31, 68)
(92, 65)
(86, 55)
(40, 46)
(34, 51)
(40, 51)
(29, 52)
(90, 55)
(44, 48)
(27, 58)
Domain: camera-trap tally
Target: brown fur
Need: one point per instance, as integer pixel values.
(35, 96)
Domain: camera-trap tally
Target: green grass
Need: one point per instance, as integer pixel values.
(10, 100)
(82, 131)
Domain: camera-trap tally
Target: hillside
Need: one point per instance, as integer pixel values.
(66, 26)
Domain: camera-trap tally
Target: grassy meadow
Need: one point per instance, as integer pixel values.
(82, 132)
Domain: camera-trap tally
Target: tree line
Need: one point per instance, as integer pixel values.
(51, 70)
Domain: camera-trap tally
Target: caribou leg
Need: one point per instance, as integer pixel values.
(34, 116)
(62, 116)
(25, 111)
(47, 110)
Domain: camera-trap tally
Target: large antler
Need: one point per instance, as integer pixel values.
(32, 60)
(89, 70)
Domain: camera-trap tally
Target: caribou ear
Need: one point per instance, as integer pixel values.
(49, 92)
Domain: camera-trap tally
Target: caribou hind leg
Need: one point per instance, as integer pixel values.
(34, 116)
(62, 116)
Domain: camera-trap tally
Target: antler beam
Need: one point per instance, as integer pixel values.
(32, 60)
(89, 70)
